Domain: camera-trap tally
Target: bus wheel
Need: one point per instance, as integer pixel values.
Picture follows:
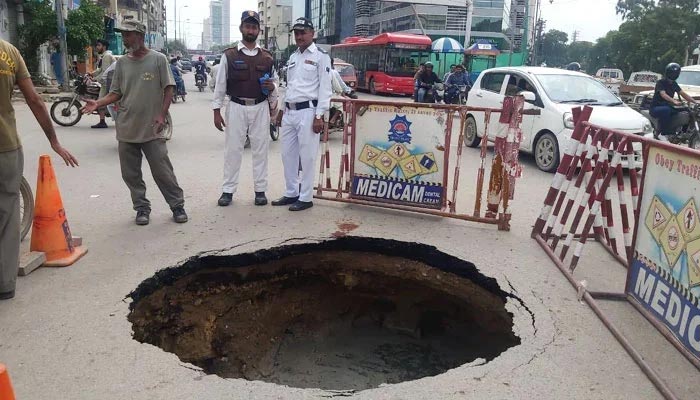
(372, 87)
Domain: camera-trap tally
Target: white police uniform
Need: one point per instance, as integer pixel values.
(308, 97)
(242, 120)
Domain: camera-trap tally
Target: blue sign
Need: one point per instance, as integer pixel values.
(411, 193)
(668, 303)
(400, 130)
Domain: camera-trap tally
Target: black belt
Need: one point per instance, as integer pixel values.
(301, 106)
(250, 102)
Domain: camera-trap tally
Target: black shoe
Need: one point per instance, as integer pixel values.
(285, 201)
(260, 199)
(301, 205)
(179, 215)
(225, 199)
(142, 217)
(102, 124)
(7, 295)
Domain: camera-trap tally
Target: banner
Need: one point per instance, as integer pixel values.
(399, 156)
(664, 275)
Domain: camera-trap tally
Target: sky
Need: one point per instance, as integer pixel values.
(592, 18)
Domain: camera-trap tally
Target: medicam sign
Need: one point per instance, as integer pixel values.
(664, 275)
(399, 156)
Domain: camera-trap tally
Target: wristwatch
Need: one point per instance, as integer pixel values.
(319, 117)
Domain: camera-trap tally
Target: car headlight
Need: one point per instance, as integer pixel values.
(647, 128)
(569, 120)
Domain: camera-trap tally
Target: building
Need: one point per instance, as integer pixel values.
(150, 12)
(9, 14)
(503, 22)
(226, 21)
(275, 23)
(206, 34)
(216, 21)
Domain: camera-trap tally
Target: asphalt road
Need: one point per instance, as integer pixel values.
(66, 336)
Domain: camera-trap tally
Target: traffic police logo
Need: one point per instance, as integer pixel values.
(400, 130)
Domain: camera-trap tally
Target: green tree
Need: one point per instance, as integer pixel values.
(580, 52)
(84, 26)
(177, 45)
(554, 48)
(39, 28)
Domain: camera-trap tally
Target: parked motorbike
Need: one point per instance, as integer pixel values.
(66, 110)
(199, 82)
(685, 124)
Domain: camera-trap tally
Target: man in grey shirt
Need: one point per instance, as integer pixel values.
(143, 85)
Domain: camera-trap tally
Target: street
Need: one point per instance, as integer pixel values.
(66, 335)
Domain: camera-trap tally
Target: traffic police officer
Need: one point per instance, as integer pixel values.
(307, 100)
(253, 100)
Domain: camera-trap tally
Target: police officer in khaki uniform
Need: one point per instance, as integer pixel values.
(253, 99)
(307, 100)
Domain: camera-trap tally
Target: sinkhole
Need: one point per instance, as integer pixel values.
(346, 314)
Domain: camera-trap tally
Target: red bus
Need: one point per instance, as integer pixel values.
(385, 63)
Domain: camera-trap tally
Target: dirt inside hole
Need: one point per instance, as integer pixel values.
(332, 318)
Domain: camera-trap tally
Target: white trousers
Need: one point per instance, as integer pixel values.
(299, 144)
(253, 121)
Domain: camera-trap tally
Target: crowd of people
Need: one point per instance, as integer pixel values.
(143, 83)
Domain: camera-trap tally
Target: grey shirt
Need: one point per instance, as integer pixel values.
(141, 85)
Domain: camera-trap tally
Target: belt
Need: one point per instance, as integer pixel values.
(248, 102)
(301, 106)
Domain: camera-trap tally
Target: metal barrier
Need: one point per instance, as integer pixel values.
(583, 203)
(397, 156)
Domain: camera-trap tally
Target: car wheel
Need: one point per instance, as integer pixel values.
(372, 87)
(471, 135)
(547, 152)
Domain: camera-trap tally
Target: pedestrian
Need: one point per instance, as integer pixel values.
(213, 72)
(13, 71)
(143, 85)
(252, 99)
(307, 100)
(57, 65)
(106, 59)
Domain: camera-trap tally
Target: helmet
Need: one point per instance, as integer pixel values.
(574, 66)
(428, 65)
(672, 71)
(201, 58)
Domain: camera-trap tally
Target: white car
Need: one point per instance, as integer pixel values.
(556, 92)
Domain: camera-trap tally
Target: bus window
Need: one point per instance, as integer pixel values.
(403, 62)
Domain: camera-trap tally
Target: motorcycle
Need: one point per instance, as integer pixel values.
(685, 124)
(458, 96)
(66, 110)
(199, 82)
(434, 94)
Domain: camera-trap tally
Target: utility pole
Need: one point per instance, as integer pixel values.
(175, 16)
(468, 25)
(538, 41)
(62, 40)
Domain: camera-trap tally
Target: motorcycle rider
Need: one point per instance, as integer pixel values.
(426, 80)
(105, 61)
(574, 66)
(456, 79)
(177, 75)
(663, 105)
(200, 69)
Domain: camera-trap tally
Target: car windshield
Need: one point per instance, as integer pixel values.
(690, 78)
(345, 70)
(576, 89)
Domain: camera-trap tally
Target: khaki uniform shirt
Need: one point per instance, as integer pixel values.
(12, 69)
(141, 85)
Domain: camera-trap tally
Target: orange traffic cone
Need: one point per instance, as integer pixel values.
(50, 232)
(6, 392)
